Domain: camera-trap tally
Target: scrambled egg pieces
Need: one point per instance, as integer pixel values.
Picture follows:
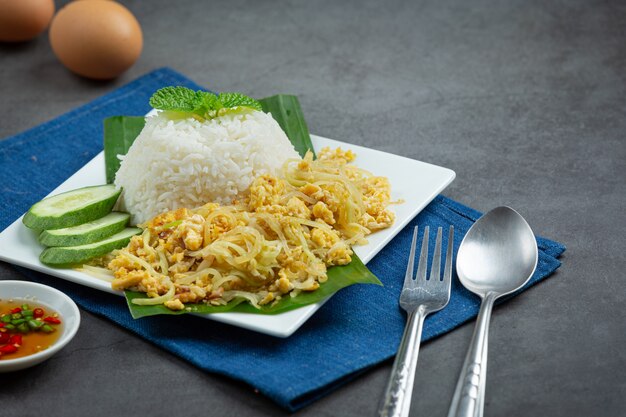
(278, 241)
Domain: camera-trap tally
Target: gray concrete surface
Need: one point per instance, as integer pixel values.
(525, 100)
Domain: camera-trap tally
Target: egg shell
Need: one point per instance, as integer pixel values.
(23, 20)
(97, 39)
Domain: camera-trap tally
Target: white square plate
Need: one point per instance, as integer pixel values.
(415, 183)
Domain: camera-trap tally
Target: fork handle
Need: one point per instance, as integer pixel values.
(468, 399)
(397, 399)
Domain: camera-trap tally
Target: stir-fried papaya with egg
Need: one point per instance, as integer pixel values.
(276, 242)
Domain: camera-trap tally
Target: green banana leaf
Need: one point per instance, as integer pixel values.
(119, 134)
(286, 110)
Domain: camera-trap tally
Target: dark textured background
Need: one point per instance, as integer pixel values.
(525, 100)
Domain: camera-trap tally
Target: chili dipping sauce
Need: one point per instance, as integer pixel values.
(26, 328)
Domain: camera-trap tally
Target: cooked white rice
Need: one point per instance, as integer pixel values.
(187, 163)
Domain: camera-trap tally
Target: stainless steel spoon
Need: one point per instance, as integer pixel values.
(497, 256)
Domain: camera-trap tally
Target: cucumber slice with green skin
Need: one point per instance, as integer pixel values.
(72, 208)
(89, 232)
(74, 255)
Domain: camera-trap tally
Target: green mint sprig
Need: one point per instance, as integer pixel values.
(200, 103)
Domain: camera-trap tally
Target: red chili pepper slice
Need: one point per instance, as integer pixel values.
(16, 310)
(8, 349)
(1, 324)
(4, 338)
(38, 312)
(16, 339)
(52, 320)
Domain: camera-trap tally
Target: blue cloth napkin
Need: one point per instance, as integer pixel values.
(359, 327)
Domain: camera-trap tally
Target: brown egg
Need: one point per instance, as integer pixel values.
(22, 20)
(96, 39)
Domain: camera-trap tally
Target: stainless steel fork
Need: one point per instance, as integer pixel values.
(419, 297)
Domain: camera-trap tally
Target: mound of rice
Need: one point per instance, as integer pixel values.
(188, 163)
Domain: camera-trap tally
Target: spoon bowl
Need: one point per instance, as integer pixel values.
(498, 254)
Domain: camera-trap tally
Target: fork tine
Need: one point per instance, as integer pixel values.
(422, 263)
(447, 271)
(435, 268)
(408, 278)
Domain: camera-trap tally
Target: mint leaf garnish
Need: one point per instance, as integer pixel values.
(231, 100)
(200, 103)
(175, 98)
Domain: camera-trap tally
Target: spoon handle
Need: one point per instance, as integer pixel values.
(468, 395)
(481, 389)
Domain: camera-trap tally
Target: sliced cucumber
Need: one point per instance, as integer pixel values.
(74, 255)
(72, 208)
(89, 232)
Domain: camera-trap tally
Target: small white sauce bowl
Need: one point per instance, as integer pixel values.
(46, 297)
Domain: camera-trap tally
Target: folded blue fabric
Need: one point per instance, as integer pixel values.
(359, 327)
